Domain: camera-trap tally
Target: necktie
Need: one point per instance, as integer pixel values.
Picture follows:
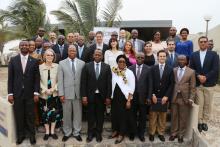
(23, 62)
(80, 52)
(73, 67)
(138, 72)
(180, 74)
(61, 51)
(161, 71)
(97, 71)
(171, 55)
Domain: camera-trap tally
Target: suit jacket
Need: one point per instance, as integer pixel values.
(140, 45)
(58, 54)
(69, 86)
(164, 86)
(91, 50)
(84, 55)
(44, 80)
(186, 86)
(89, 83)
(210, 67)
(144, 85)
(169, 60)
(27, 82)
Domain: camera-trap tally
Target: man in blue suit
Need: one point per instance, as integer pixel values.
(172, 55)
(206, 65)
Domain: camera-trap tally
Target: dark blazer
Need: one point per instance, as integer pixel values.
(210, 67)
(89, 83)
(143, 86)
(164, 86)
(28, 82)
(169, 61)
(92, 48)
(84, 55)
(58, 54)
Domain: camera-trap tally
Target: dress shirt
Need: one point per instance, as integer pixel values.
(141, 66)
(202, 56)
(70, 61)
(183, 71)
(24, 57)
(99, 46)
(160, 66)
(80, 50)
(95, 64)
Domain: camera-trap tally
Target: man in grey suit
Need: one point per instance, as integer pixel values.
(69, 75)
(137, 43)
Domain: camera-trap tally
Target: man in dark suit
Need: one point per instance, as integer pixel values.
(96, 89)
(61, 49)
(98, 45)
(143, 91)
(138, 44)
(172, 55)
(23, 91)
(206, 65)
(163, 81)
(82, 50)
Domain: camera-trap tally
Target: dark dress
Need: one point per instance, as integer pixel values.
(49, 108)
(118, 111)
(149, 60)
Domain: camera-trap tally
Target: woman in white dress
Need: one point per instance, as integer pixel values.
(112, 53)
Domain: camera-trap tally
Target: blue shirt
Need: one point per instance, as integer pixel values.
(184, 48)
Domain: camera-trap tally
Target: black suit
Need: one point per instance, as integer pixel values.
(89, 85)
(210, 67)
(143, 91)
(173, 63)
(58, 54)
(22, 86)
(164, 86)
(84, 55)
(92, 48)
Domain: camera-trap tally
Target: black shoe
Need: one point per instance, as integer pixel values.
(54, 136)
(204, 127)
(89, 138)
(117, 141)
(32, 140)
(78, 138)
(46, 136)
(142, 139)
(131, 137)
(98, 138)
(200, 127)
(161, 137)
(151, 137)
(65, 138)
(20, 140)
(180, 139)
(172, 138)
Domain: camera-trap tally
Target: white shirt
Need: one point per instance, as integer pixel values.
(141, 66)
(127, 88)
(95, 65)
(70, 61)
(160, 66)
(99, 46)
(178, 72)
(24, 57)
(110, 57)
(202, 56)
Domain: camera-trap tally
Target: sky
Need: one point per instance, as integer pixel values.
(183, 13)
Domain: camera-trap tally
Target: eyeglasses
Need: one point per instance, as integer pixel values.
(202, 41)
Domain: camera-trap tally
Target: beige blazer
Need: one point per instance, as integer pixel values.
(44, 78)
(186, 87)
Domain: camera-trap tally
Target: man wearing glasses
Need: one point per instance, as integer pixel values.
(206, 65)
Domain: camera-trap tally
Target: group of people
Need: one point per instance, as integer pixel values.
(133, 77)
